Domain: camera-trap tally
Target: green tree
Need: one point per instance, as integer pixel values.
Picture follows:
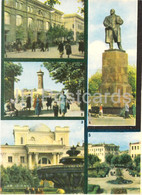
(137, 161)
(81, 9)
(5, 180)
(70, 74)
(11, 72)
(132, 78)
(95, 82)
(115, 160)
(20, 33)
(108, 158)
(51, 3)
(125, 159)
(93, 159)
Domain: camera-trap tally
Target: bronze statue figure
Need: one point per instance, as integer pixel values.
(112, 30)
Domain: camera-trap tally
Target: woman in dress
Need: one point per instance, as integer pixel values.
(63, 101)
(37, 105)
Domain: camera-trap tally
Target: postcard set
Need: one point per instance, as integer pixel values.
(70, 97)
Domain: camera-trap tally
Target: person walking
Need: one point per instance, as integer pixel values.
(126, 110)
(61, 49)
(63, 101)
(28, 101)
(68, 49)
(37, 105)
(55, 109)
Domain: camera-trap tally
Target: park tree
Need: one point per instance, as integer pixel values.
(70, 74)
(81, 9)
(115, 160)
(137, 160)
(20, 33)
(5, 180)
(11, 72)
(125, 159)
(51, 3)
(132, 78)
(92, 159)
(95, 82)
(108, 158)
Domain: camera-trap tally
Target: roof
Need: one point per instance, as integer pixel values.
(73, 15)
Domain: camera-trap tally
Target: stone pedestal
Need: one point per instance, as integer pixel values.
(114, 78)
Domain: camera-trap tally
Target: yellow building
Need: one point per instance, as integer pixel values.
(75, 23)
(101, 150)
(36, 146)
(134, 149)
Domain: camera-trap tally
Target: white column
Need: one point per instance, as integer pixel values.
(30, 161)
(36, 158)
(57, 157)
(54, 158)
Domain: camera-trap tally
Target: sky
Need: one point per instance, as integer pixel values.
(67, 6)
(121, 139)
(76, 129)
(98, 10)
(29, 78)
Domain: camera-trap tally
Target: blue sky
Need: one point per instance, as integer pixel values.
(29, 78)
(76, 129)
(98, 10)
(122, 139)
(67, 6)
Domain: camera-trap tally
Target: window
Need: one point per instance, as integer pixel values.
(73, 26)
(32, 139)
(6, 18)
(132, 147)
(44, 161)
(137, 147)
(30, 21)
(22, 159)
(22, 140)
(28, 9)
(10, 159)
(18, 20)
(62, 141)
(20, 5)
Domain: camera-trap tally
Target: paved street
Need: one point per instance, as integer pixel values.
(133, 188)
(52, 53)
(74, 111)
(111, 121)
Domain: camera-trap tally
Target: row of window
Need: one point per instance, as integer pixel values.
(134, 155)
(97, 149)
(135, 147)
(22, 159)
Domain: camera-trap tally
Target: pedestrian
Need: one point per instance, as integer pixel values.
(55, 109)
(28, 101)
(27, 190)
(42, 46)
(61, 49)
(101, 110)
(63, 101)
(134, 109)
(37, 105)
(126, 110)
(34, 46)
(68, 49)
(49, 102)
(32, 191)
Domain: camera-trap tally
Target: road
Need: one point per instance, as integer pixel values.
(52, 53)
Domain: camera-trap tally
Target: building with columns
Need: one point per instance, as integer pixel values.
(101, 150)
(38, 146)
(33, 19)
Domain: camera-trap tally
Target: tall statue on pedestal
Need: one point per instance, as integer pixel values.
(112, 30)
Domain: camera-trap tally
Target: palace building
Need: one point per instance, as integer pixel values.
(134, 149)
(101, 150)
(36, 146)
(36, 18)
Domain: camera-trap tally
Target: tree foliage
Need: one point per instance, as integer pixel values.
(108, 158)
(51, 3)
(70, 74)
(132, 78)
(81, 9)
(95, 82)
(93, 159)
(125, 159)
(58, 32)
(19, 175)
(20, 33)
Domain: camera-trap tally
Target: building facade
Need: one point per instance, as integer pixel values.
(36, 146)
(134, 149)
(31, 19)
(101, 150)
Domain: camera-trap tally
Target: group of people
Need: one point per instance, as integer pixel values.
(10, 109)
(61, 108)
(34, 191)
(67, 48)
